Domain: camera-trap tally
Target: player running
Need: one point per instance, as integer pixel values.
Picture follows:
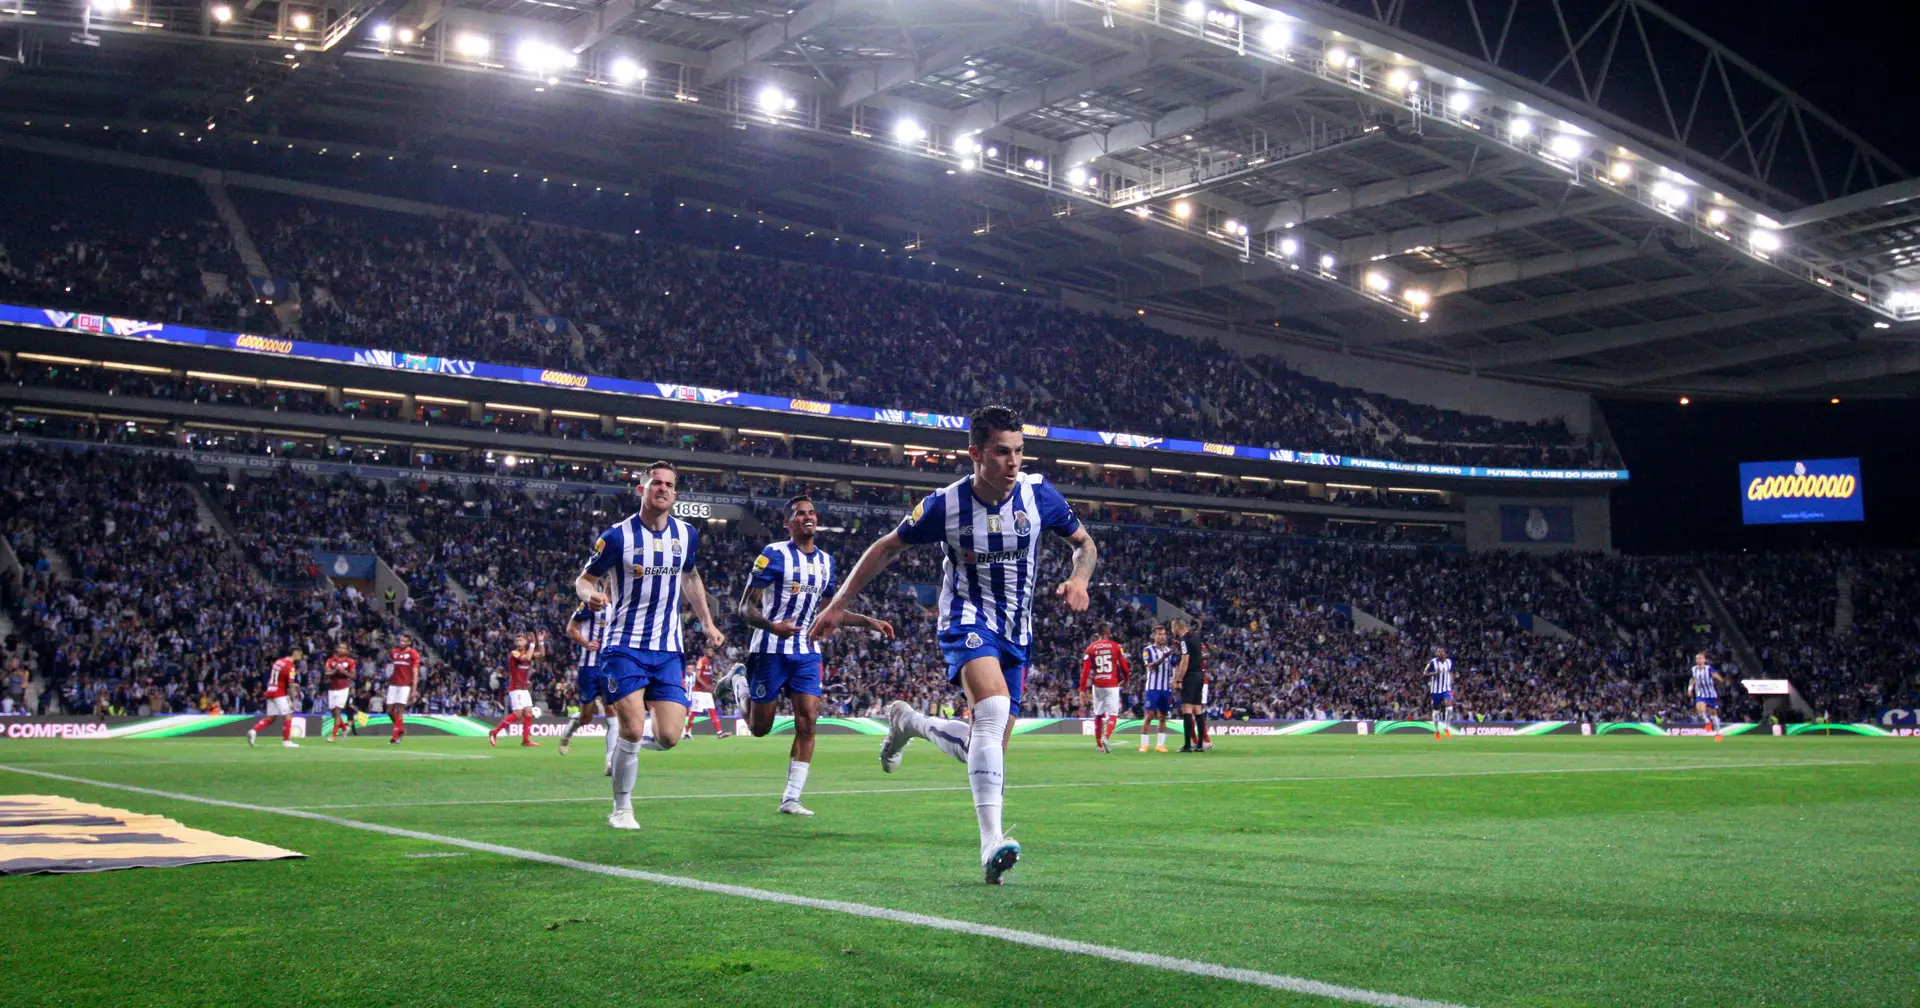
(1158, 659)
(281, 687)
(638, 572)
(1104, 667)
(1706, 698)
(1440, 691)
(780, 601)
(988, 526)
(520, 688)
(587, 629)
(403, 664)
(699, 686)
(341, 669)
(1190, 679)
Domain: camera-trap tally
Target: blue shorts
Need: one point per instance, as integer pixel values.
(963, 644)
(769, 674)
(1160, 700)
(1441, 699)
(1712, 702)
(658, 672)
(593, 685)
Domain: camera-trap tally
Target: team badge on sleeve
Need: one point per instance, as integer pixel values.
(760, 562)
(599, 546)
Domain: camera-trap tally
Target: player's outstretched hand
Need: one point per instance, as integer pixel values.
(884, 628)
(1075, 594)
(826, 622)
(783, 629)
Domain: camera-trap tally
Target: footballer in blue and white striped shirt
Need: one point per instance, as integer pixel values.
(789, 582)
(1706, 697)
(1440, 691)
(989, 528)
(639, 570)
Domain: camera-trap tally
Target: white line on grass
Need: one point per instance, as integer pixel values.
(1116, 783)
(1276, 981)
(334, 756)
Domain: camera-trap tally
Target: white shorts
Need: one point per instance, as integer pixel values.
(399, 696)
(700, 702)
(279, 705)
(519, 700)
(336, 699)
(1106, 700)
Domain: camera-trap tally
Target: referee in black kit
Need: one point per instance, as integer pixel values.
(1190, 681)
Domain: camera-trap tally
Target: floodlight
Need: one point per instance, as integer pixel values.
(222, 13)
(1077, 176)
(1764, 240)
(1459, 101)
(1416, 297)
(383, 32)
(1566, 146)
(1277, 35)
(1196, 10)
(1620, 170)
(1669, 195)
(1518, 127)
(1336, 57)
(1378, 281)
(1398, 79)
(1183, 209)
(1716, 216)
(472, 44)
(1326, 261)
(1289, 247)
(302, 21)
(626, 71)
(907, 131)
(404, 36)
(771, 100)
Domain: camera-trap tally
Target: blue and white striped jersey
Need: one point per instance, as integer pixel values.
(1158, 662)
(794, 582)
(640, 571)
(1439, 675)
(594, 627)
(992, 552)
(1703, 683)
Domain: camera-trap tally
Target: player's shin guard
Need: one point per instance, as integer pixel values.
(613, 732)
(986, 766)
(796, 780)
(626, 768)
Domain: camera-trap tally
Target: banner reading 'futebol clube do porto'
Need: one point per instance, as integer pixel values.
(280, 346)
(1808, 490)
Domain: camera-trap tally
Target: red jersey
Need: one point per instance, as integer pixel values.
(406, 662)
(700, 678)
(1105, 664)
(280, 680)
(340, 669)
(519, 670)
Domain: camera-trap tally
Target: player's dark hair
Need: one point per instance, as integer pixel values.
(795, 501)
(990, 420)
(1104, 630)
(663, 464)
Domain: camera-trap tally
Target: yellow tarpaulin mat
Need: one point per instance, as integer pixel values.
(47, 833)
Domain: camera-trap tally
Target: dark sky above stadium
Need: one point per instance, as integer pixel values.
(1854, 61)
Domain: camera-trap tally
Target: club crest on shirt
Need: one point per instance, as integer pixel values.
(1021, 523)
(678, 548)
(973, 640)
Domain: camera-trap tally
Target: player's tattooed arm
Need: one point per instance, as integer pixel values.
(855, 619)
(1085, 555)
(749, 612)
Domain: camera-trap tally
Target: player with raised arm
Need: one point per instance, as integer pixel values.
(282, 686)
(520, 661)
(1440, 691)
(1158, 659)
(1103, 668)
(1190, 680)
(782, 596)
(587, 629)
(639, 570)
(403, 670)
(340, 669)
(1706, 697)
(988, 526)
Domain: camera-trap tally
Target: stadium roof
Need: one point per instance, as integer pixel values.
(1590, 195)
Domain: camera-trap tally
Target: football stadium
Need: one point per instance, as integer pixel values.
(958, 502)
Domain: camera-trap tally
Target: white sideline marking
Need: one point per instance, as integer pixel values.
(1088, 784)
(1276, 981)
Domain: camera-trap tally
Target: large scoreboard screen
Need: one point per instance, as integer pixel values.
(1807, 490)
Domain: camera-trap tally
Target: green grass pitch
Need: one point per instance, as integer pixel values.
(1550, 872)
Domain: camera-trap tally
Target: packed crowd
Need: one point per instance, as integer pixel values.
(633, 306)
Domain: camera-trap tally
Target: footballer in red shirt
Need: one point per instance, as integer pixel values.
(403, 664)
(281, 687)
(698, 682)
(1104, 668)
(341, 669)
(520, 689)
